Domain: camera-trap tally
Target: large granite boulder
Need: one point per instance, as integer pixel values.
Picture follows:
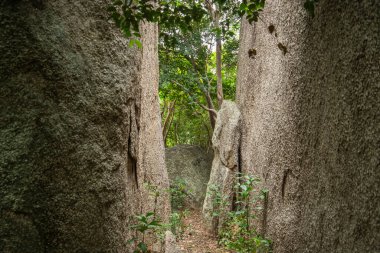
(80, 130)
(193, 165)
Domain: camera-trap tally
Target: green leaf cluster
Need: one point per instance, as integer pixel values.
(179, 191)
(177, 14)
(236, 232)
(177, 224)
(128, 14)
(251, 9)
(145, 223)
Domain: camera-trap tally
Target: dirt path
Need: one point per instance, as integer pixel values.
(196, 238)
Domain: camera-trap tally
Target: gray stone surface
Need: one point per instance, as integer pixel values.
(171, 243)
(193, 164)
(310, 123)
(151, 167)
(226, 141)
(75, 105)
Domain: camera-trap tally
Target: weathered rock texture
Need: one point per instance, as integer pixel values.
(225, 141)
(311, 123)
(74, 104)
(192, 164)
(151, 152)
(171, 243)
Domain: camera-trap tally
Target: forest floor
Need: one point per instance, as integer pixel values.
(197, 239)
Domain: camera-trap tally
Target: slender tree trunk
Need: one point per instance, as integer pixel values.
(211, 112)
(168, 120)
(219, 80)
(215, 17)
(163, 109)
(209, 137)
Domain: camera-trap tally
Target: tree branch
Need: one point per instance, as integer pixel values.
(206, 108)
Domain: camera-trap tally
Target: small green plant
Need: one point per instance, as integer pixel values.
(179, 191)
(235, 233)
(150, 224)
(147, 223)
(219, 201)
(177, 224)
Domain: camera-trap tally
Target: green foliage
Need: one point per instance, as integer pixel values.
(251, 9)
(187, 75)
(310, 6)
(147, 223)
(177, 224)
(236, 234)
(219, 201)
(127, 14)
(179, 191)
(144, 223)
(190, 126)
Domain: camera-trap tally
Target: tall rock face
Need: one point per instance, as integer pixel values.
(308, 90)
(73, 156)
(225, 165)
(151, 153)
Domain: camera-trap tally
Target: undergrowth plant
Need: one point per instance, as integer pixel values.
(177, 224)
(145, 223)
(236, 233)
(148, 223)
(219, 200)
(179, 192)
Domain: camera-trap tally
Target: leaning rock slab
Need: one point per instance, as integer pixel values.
(226, 139)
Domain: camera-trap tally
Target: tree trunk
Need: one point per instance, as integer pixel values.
(211, 112)
(151, 152)
(310, 113)
(219, 82)
(215, 17)
(74, 105)
(163, 110)
(168, 120)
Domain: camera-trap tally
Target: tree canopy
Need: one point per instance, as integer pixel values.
(198, 57)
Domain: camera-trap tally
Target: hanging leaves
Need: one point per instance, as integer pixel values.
(175, 14)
